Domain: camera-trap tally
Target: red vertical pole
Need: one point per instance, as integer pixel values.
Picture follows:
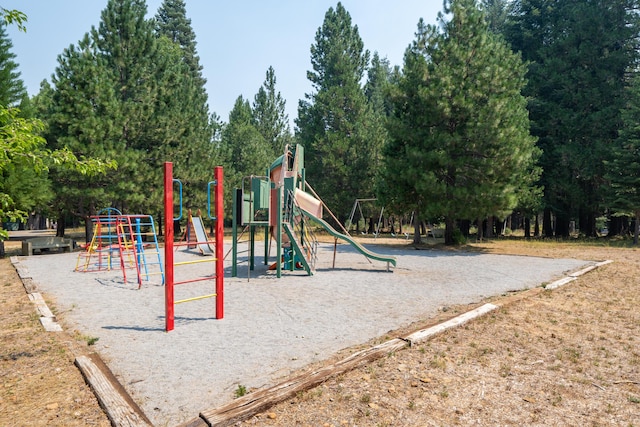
(168, 246)
(219, 209)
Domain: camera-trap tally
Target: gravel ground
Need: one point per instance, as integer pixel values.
(272, 326)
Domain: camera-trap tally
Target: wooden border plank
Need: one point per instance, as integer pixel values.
(425, 334)
(258, 401)
(113, 398)
(41, 305)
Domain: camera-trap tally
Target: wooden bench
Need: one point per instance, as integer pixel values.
(40, 244)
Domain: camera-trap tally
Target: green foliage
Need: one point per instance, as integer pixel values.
(335, 122)
(136, 95)
(269, 115)
(579, 54)
(12, 89)
(12, 16)
(23, 160)
(246, 151)
(623, 165)
(240, 391)
(459, 134)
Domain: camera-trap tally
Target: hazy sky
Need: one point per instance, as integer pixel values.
(236, 40)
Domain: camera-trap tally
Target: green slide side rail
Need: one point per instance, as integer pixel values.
(297, 248)
(364, 251)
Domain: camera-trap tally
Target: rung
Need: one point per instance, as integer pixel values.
(195, 298)
(199, 279)
(194, 261)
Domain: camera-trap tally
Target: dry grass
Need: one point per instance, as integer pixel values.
(564, 357)
(568, 357)
(40, 384)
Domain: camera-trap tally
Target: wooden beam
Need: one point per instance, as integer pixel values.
(258, 401)
(425, 334)
(118, 405)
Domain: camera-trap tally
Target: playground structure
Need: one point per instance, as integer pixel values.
(213, 247)
(128, 240)
(285, 204)
(196, 236)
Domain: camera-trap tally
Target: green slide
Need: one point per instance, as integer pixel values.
(298, 248)
(364, 251)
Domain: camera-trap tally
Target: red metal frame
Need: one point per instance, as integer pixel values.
(169, 245)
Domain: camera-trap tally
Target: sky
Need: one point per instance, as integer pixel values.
(236, 40)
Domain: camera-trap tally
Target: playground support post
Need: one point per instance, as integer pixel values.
(219, 236)
(168, 246)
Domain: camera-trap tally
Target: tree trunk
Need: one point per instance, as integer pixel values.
(562, 225)
(536, 227)
(636, 228)
(88, 229)
(588, 222)
(417, 237)
(527, 227)
(449, 227)
(465, 226)
(489, 233)
(60, 228)
(547, 228)
(480, 235)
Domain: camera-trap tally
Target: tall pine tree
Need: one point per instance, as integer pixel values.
(12, 90)
(579, 54)
(334, 121)
(246, 151)
(184, 101)
(623, 164)
(270, 117)
(460, 146)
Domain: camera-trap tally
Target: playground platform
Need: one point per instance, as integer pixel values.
(271, 327)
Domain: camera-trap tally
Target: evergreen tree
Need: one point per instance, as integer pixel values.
(171, 21)
(623, 166)
(246, 151)
(459, 134)
(269, 115)
(185, 102)
(497, 14)
(12, 90)
(334, 122)
(125, 93)
(579, 54)
(82, 114)
(376, 91)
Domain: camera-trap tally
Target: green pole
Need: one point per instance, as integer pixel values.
(234, 230)
(278, 212)
(253, 246)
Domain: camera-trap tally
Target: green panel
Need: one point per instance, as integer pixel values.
(246, 208)
(261, 189)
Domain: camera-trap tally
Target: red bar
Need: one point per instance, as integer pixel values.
(199, 279)
(219, 249)
(168, 246)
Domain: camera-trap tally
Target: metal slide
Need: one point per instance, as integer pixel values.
(364, 251)
(201, 236)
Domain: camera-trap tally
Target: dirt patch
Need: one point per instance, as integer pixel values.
(567, 357)
(40, 384)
